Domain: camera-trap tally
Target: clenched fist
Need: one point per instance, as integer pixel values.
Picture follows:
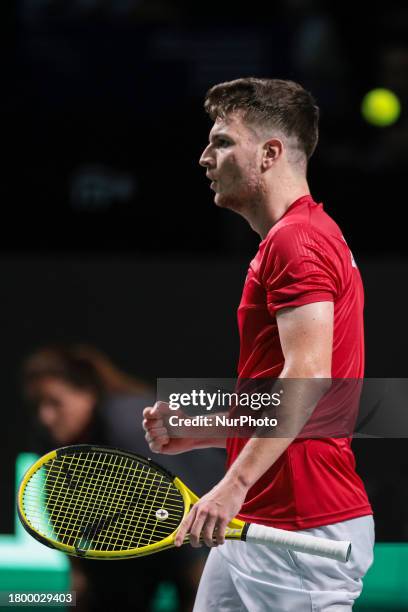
(159, 433)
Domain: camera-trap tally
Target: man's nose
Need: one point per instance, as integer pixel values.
(206, 160)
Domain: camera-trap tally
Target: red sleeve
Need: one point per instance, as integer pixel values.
(299, 268)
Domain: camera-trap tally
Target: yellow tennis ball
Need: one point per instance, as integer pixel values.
(381, 107)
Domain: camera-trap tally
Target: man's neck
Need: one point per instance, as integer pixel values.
(274, 205)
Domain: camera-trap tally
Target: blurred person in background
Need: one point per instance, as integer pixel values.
(81, 397)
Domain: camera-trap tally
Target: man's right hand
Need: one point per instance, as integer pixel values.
(158, 430)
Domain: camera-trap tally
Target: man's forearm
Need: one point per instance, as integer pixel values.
(299, 398)
(258, 455)
(209, 443)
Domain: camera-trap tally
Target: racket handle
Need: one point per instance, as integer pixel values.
(333, 549)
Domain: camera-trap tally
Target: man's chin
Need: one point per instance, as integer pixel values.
(223, 201)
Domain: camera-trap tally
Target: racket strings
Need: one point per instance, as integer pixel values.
(102, 501)
(86, 518)
(114, 506)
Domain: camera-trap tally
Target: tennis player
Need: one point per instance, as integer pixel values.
(301, 316)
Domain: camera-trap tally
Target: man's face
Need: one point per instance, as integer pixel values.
(233, 162)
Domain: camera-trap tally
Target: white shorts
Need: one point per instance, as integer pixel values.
(240, 577)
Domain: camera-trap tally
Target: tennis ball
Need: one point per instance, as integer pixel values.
(381, 107)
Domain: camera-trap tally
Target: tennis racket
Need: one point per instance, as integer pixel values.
(105, 503)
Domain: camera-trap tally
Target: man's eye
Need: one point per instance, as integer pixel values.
(222, 142)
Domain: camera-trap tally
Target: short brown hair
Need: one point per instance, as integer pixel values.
(282, 104)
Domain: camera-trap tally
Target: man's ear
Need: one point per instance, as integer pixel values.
(272, 150)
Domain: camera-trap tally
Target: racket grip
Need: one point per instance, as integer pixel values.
(333, 549)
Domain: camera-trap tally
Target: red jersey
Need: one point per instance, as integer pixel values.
(303, 259)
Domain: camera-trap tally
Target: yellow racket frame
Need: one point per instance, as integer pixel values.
(234, 530)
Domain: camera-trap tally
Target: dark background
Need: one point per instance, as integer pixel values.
(109, 233)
